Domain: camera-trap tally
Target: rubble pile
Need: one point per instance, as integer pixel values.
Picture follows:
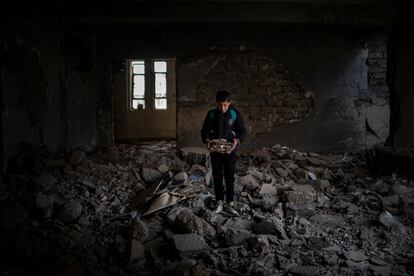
(141, 210)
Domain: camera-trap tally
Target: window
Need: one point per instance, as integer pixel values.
(149, 87)
(160, 73)
(138, 84)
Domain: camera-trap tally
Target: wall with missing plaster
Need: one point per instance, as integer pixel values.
(311, 94)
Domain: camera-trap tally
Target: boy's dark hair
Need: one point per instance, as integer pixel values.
(222, 96)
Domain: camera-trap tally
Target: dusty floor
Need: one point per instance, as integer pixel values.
(107, 213)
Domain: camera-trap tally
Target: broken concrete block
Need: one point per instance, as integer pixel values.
(268, 189)
(267, 202)
(139, 230)
(327, 220)
(195, 155)
(189, 242)
(305, 270)
(303, 188)
(172, 215)
(211, 217)
(301, 174)
(270, 225)
(239, 223)
(357, 265)
(151, 175)
(324, 184)
(163, 168)
(181, 177)
(249, 181)
(302, 203)
(281, 172)
(356, 256)
(391, 201)
(190, 223)
(259, 244)
(234, 236)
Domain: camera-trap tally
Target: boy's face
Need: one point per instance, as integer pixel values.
(223, 106)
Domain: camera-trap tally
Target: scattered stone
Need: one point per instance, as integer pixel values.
(268, 189)
(181, 177)
(235, 236)
(139, 230)
(357, 265)
(356, 256)
(189, 242)
(281, 172)
(271, 225)
(195, 155)
(391, 201)
(327, 220)
(304, 270)
(249, 181)
(301, 203)
(163, 168)
(190, 223)
(150, 175)
(289, 223)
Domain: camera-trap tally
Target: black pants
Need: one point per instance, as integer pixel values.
(223, 163)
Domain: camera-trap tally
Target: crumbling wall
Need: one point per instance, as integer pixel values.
(263, 91)
(47, 86)
(328, 96)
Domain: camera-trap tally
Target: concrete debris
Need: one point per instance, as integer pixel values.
(150, 175)
(148, 210)
(268, 189)
(139, 230)
(189, 242)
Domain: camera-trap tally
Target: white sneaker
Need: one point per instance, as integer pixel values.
(219, 207)
(230, 210)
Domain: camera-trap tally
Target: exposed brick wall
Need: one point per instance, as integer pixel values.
(263, 91)
(377, 67)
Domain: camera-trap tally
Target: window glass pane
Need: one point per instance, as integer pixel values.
(160, 103)
(160, 66)
(138, 104)
(138, 68)
(139, 86)
(160, 85)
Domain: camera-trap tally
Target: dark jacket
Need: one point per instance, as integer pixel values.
(227, 126)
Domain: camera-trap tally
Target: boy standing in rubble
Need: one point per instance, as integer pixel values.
(224, 122)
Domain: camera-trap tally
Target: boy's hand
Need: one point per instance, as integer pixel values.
(208, 144)
(235, 143)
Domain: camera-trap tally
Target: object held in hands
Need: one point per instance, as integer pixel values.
(220, 145)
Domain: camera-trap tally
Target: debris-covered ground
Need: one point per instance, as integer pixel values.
(141, 210)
